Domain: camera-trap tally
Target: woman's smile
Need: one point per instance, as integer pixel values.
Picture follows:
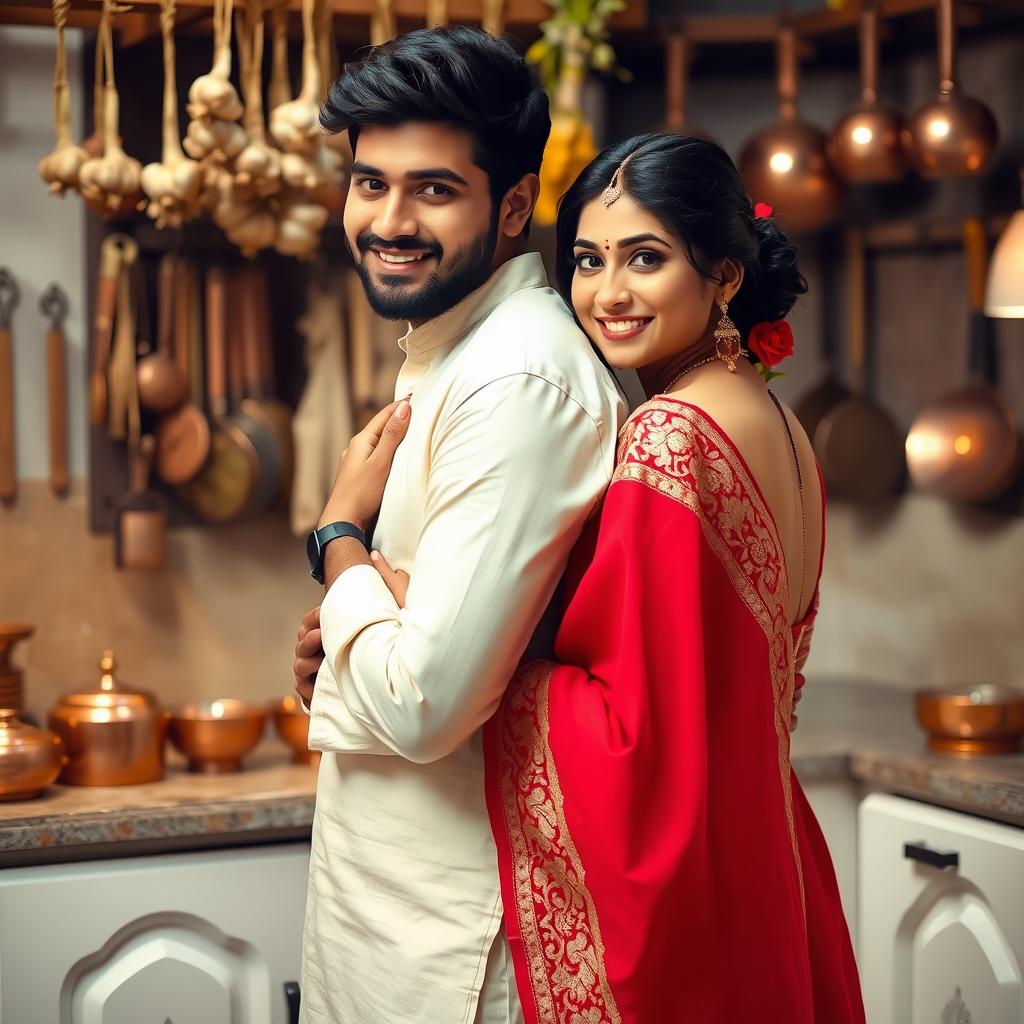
(619, 328)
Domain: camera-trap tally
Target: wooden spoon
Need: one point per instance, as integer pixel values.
(54, 304)
(9, 295)
(161, 384)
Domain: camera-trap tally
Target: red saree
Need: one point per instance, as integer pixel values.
(658, 859)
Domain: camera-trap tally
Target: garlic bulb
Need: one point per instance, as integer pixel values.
(60, 167)
(110, 181)
(213, 101)
(298, 232)
(173, 184)
(258, 166)
(295, 125)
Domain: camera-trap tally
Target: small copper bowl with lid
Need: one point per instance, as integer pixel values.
(30, 758)
(216, 734)
(973, 720)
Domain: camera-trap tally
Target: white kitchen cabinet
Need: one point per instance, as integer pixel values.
(185, 938)
(941, 922)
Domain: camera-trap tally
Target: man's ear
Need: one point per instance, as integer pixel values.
(517, 206)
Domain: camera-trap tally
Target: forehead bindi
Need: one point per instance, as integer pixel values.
(610, 226)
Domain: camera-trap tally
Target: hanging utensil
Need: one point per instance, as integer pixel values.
(9, 296)
(954, 135)
(111, 252)
(260, 403)
(122, 381)
(183, 436)
(965, 447)
(787, 164)
(54, 304)
(857, 443)
(223, 489)
(141, 519)
(258, 429)
(867, 143)
(161, 384)
(677, 73)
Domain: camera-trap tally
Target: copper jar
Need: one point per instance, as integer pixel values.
(12, 683)
(30, 758)
(113, 735)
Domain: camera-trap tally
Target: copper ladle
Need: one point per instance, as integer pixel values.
(787, 163)
(867, 143)
(954, 135)
(162, 385)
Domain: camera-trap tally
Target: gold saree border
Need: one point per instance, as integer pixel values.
(557, 917)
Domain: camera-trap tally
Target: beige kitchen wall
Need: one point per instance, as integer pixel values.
(914, 592)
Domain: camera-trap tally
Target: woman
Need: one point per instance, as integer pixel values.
(658, 859)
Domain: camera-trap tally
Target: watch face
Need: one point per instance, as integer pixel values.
(313, 551)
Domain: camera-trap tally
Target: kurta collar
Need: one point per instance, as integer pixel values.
(520, 272)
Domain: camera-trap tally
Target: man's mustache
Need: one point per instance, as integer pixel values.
(367, 241)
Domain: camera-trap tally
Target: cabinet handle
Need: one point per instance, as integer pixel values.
(291, 996)
(924, 854)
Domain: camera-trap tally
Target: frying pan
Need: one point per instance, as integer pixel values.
(858, 443)
(224, 488)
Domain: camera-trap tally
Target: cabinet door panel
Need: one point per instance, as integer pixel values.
(939, 945)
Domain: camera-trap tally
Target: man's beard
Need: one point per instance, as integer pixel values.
(392, 298)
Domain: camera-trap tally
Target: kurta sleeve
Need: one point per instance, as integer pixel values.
(515, 471)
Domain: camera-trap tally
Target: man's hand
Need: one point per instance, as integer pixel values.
(309, 653)
(363, 471)
(397, 581)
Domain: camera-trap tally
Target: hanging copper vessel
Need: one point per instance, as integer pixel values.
(954, 135)
(787, 164)
(113, 735)
(867, 143)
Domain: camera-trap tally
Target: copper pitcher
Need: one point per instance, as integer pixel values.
(113, 735)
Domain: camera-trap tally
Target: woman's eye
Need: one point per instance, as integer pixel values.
(647, 260)
(588, 261)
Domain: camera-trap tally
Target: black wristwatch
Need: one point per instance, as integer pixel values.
(318, 540)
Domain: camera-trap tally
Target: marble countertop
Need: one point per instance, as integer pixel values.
(846, 730)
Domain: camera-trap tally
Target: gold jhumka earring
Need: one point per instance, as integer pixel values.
(728, 345)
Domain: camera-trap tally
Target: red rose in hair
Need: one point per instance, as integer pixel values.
(771, 341)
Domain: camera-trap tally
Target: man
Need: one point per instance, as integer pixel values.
(504, 453)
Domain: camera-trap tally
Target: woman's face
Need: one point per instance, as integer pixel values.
(634, 291)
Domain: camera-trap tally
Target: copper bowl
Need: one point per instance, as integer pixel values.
(983, 719)
(292, 725)
(216, 734)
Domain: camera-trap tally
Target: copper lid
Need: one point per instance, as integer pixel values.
(110, 699)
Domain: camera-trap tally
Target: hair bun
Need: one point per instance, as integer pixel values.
(779, 281)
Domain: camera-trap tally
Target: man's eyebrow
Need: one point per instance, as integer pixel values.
(373, 172)
(436, 174)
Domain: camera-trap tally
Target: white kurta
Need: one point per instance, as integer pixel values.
(510, 447)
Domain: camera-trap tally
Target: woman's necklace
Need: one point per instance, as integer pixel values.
(693, 366)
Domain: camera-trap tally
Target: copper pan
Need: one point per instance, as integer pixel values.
(787, 164)
(954, 135)
(965, 447)
(867, 143)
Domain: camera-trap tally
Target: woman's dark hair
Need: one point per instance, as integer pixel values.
(692, 186)
(457, 75)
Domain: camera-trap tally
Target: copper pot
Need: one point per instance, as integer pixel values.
(954, 135)
(30, 758)
(867, 143)
(216, 734)
(113, 735)
(292, 725)
(983, 719)
(787, 164)
(12, 687)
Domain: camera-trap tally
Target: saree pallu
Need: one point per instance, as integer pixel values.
(658, 859)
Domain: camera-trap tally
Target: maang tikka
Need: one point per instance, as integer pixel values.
(613, 190)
